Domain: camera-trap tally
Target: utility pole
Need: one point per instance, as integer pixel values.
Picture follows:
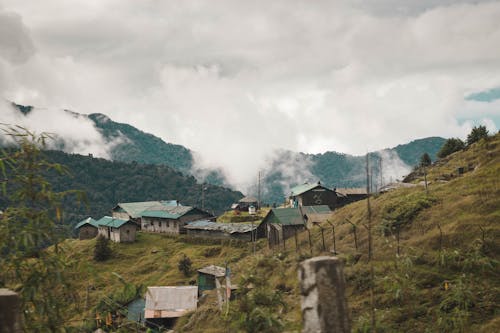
(370, 249)
(203, 188)
(381, 174)
(258, 193)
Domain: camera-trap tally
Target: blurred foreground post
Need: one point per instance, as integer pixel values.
(10, 309)
(323, 302)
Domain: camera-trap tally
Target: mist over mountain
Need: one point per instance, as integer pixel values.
(282, 170)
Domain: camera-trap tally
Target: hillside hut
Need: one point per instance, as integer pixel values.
(216, 230)
(132, 210)
(207, 276)
(244, 204)
(171, 219)
(349, 195)
(117, 230)
(283, 223)
(312, 195)
(165, 304)
(87, 228)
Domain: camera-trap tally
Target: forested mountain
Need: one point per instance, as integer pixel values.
(284, 170)
(109, 182)
(142, 147)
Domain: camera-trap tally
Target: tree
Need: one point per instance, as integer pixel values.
(102, 251)
(477, 133)
(33, 261)
(425, 160)
(450, 146)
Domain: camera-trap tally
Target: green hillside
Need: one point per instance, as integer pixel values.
(446, 236)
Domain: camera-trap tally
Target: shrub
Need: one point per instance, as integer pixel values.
(404, 210)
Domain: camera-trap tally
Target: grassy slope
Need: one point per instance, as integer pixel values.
(409, 294)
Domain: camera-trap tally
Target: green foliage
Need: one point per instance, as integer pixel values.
(30, 223)
(258, 306)
(477, 133)
(102, 251)
(425, 160)
(400, 282)
(107, 183)
(185, 265)
(450, 146)
(404, 209)
(454, 309)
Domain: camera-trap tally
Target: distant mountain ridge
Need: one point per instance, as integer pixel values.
(285, 169)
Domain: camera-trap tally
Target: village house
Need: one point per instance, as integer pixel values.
(117, 230)
(283, 223)
(349, 195)
(165, 304)
(87, 229)
(245, 203)
(216, 230)
(133, 210)
(312, 195)
(171, 219)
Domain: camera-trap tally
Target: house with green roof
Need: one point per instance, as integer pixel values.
(87, 228)
(283, 223)
(133, 210)
(312, 195)
(171, 219)
(117, 230)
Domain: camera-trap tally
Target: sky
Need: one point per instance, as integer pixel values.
(234, 80)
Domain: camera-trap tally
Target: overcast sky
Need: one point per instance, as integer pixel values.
(234, 78)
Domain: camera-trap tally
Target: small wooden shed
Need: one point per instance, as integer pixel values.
(117, 230)
(207, 276)
(87, 228)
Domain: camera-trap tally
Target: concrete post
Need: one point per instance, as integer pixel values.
(322, 289)
(10, 309)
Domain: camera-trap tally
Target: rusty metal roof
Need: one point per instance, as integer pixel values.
(229, 228)
(171, 301)
(216, 271)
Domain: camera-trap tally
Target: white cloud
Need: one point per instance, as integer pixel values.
(234, 80)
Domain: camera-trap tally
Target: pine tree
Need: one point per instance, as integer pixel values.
(477, 133)
(102, 251)
(425, 160)
(32, 257)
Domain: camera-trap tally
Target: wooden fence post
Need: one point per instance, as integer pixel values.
(10, 310)
(323, 302)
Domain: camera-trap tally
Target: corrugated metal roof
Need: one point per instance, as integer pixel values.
(216, 271)
(108, 221)
(89, 221)
(293, 215)
(172, 299)
(229, 228)
(298, 190)
(168, 212)
(320, 209)
(286, 216)
(134, 209)
(351, 190)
